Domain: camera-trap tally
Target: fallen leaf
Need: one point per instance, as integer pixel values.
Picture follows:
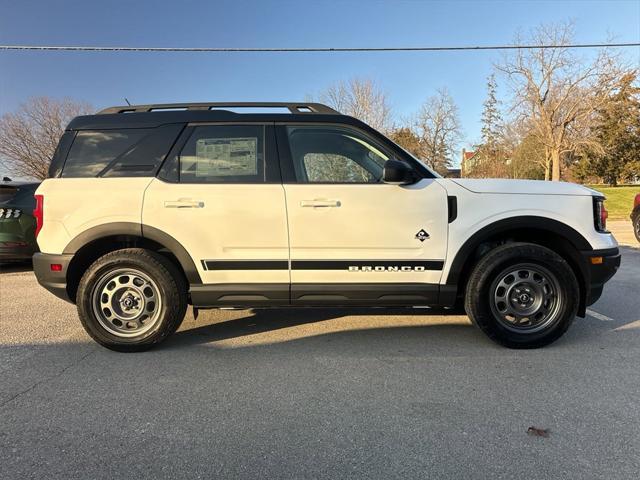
(538, 432)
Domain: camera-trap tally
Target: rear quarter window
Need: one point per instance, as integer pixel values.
(59, 156)
(93, 150)
(119, 153)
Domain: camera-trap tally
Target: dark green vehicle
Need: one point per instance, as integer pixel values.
(17, 224)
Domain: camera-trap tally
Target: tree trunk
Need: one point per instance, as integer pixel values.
(555, 165)
(547, 164)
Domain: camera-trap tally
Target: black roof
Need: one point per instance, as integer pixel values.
(153, 115)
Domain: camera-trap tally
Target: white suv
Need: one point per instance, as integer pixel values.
(150, 208)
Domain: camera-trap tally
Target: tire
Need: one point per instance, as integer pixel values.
(131, 300)
(522, 295)
(635, 221)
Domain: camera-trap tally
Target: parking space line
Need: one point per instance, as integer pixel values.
(599, 316)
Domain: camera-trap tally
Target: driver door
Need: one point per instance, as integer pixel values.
(354, 239)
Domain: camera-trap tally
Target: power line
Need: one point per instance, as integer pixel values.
(79, 48)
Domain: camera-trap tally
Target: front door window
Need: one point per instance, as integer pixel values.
(334, 155)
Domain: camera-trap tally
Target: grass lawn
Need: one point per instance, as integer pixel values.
(619, 199)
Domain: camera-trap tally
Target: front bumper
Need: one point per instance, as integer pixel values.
(54, 281)
(599, 271)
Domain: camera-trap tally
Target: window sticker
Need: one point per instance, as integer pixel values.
(224, 157)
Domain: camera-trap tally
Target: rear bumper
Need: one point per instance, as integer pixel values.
(20, 253)
(14, 247)
(55, 282)
(600, 272)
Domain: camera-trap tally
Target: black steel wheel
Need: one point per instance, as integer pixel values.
(522, 295)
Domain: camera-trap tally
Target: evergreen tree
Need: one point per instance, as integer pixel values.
(491, 118)
(618, 132)
(491, 158)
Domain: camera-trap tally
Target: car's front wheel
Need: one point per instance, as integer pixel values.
(522, 295)
(131, 299)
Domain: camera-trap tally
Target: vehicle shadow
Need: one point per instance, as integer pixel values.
(292, 325)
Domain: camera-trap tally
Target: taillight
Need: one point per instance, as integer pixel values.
(600, 214)
(38, 212)
(636, 201)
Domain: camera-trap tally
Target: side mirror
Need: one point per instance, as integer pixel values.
(397, 173)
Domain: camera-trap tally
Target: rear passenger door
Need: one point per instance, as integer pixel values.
(219, 194)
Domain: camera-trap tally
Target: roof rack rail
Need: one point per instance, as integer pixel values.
(302, 107)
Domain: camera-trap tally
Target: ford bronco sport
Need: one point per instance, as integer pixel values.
(150, 208)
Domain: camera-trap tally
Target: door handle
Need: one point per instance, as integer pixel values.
(320, 203)
(184, 203)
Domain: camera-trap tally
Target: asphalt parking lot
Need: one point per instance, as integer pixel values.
(319, 394)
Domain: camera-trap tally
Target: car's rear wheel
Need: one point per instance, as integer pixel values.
(131, 299)
(522, 295)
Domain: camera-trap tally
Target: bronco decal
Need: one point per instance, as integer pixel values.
(368, 265)
(390, 268)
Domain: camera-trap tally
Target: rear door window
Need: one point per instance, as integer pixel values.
(224, 154)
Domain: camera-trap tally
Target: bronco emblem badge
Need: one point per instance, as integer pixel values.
(422, 235)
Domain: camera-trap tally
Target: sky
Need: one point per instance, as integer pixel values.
(408, 78)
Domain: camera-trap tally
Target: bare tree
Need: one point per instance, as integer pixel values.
(438, 127)
(362, 99)
(526, 154)
(557, 92)
(30, 135)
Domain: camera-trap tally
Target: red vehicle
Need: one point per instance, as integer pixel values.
(635, 217)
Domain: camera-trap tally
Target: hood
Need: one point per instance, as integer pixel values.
(528, 187)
